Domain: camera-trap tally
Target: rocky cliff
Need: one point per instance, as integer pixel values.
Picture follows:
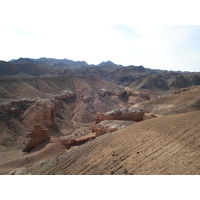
(38, 136)
(16, 107)
(41, 112)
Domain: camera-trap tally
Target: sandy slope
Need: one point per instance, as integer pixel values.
(18, 159)
(165, 145)
(174, 104)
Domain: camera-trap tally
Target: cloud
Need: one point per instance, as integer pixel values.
(61, 30)
(164, 47)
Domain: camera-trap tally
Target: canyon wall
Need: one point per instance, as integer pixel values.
(38, 135)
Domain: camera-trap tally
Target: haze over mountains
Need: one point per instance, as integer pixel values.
(116, 111)
(136, 76)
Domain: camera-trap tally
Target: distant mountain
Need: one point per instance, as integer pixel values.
(68, 97)
(22, 61)
(126, 75)
(49, 62)
(109, 64)
(52, 62)
(42, 66)
(99, 71)
(33, 69)
(63, 65)
(152, 82)
(30, 67)
(137, 77)
(7, 68)
(66, 72)
(162, 82)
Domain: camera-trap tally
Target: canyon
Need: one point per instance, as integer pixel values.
(112, 119)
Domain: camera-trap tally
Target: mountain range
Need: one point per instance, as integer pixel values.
(132, 76)
(59, 116)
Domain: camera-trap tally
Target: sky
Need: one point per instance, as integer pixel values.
(96, 32)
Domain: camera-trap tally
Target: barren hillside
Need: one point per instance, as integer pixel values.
(182, 102)
(165, 145)
(65, 117)
(58, 103)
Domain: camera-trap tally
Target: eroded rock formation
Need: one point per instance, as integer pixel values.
(41, 112)
(149, 116)
(49, 109)
(16, 107)
(108, 126)
(77, 141)
(38, 136)
(135, 96)
(121, 114)
(181, 90)
(68, 96)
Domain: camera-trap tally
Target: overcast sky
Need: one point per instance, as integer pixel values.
(60, 29)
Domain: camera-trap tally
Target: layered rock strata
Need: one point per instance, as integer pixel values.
(135, 96)
(38, 136)
(16, 107)
(122, 114)
(49, 109)
(181, 90)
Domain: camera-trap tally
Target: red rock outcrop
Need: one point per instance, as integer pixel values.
(181, 90)
(135, 96)
(108, 126)
(149, 116)
(32, 111)
(42, 112)
(142, 95)
(16, 107)
(77, 141)
(103, 93)
(38, 136)
(122, 114)
(135, 99)
(49, 113)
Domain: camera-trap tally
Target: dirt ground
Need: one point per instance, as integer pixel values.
(165, 145)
